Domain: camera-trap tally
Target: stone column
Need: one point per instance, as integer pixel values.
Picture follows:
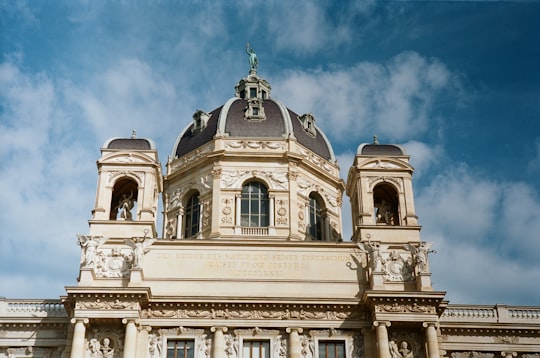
(218, 344)
(382, 339)
(130, 340)
(431, 340)
(295, 347)
(77, 345)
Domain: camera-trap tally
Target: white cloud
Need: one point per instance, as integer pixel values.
(483, 230)
(394, 100)
(423, 156)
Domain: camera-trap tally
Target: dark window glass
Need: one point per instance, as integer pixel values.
(252, 92)
(180, 349)
(192, 216)
(331, 349)
(254, 208)
(256, 349)
(315, 218)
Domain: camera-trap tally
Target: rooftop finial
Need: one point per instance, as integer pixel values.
(253, 62)
(375, 140)
(133, 134)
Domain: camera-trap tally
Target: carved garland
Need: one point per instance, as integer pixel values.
(254, 313)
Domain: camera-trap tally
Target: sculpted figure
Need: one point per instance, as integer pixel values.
(106, 350)
(125, 205)
(405, 351)
(394, 350)
(89, 244)
(94, 348)
(384, 213)
(253, 61)
(420, 255)
(375, 258)
(139, 247)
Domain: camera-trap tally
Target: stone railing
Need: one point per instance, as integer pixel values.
(491, 314)
(31, 308)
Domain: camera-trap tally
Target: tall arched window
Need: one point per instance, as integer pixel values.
(386, 203)
(254, 208)
(192, 216)
(316, 220)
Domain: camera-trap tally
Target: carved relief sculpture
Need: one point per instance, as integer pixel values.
(139, 246)
(89, 244)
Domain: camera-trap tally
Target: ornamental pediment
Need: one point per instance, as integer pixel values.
(384, 163)
(127, 158)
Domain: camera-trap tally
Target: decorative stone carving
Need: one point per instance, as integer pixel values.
(206, 210)
(248, 312)
(104, 343)
(138, 175)
(373, 180)
(231, 179)
(242, 144)
(139, 246)
(401, 350)
(282, 212)
(231, 346)
(375, 261)
(129, 158)
(382, 164)
(170, 228)
(89, 245)
(106, 305)
(397, 269)
(420, 255)
(471, 354)
(155, 345)
(190, 157)
(112, 263)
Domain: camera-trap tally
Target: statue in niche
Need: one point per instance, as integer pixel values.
(401, 351)
(106, 350)
(94, 348)
(139, 246)
(253, 61)
(89, 244)
(384, 213)
(125, 205)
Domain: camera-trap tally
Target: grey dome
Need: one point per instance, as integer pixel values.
(229, 120)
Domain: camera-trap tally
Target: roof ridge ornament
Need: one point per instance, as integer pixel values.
(375, 140)
(253, 61)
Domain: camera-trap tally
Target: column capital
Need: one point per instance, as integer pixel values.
(292, 329)
(128, 320)
(220, 328)
(85, 321)
(382, 323)
(508, 354)
(430, 324)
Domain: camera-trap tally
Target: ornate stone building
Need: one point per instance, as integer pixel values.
(252, 262)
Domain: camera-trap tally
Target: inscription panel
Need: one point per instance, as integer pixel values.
(258, 264)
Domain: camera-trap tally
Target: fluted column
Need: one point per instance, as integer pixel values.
(130, 341)
(77, 345)
(382, 339)
(431, 339)
(295, 347)
(218, 344)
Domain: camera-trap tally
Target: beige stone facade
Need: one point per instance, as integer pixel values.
(251, 262)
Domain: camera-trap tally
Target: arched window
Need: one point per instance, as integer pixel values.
(124, 199)
(316, 220)
(254, 207)
(386, 203)
(192, 216)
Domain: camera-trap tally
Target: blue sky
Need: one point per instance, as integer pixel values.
(457, 83)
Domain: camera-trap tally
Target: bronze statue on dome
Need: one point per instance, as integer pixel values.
(253, 61)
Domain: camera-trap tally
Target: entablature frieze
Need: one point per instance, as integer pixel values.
(84, 300)
(254, 311)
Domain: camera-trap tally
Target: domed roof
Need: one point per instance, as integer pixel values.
(132, 143)
(253, 114)
(380, 149)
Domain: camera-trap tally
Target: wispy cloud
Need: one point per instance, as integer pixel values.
(394, 99)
